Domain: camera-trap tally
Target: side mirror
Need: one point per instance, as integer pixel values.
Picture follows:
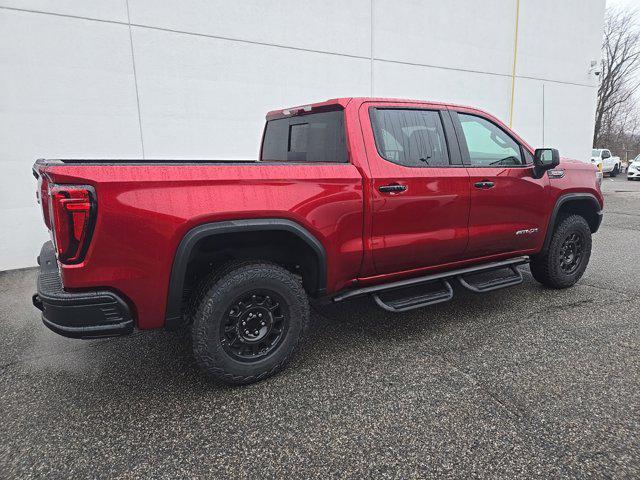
(545, 159)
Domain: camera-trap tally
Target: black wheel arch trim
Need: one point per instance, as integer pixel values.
(568, 197)
(173, 315)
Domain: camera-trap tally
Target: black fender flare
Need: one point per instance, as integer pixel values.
(173, 315)
(568, 197)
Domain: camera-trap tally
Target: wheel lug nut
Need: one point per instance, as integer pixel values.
(256, 332)
(262, 323)
(246, 332)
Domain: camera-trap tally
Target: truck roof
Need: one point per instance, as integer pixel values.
(342, 102)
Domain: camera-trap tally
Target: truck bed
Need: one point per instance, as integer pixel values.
(145, 207)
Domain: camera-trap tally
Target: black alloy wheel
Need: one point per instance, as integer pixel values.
(564, 261)
(248, 320)
(571, 253)
(254, 326)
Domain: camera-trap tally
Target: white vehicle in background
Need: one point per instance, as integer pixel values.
(606, 163)
(633, 171)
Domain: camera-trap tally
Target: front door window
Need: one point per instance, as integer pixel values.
(488, 145)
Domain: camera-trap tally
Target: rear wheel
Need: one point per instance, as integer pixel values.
(248, 322)
(566, 259)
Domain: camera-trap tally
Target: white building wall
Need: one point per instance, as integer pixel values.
(194, 78)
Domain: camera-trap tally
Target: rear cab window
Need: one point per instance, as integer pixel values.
(314, 137)
(410, 137)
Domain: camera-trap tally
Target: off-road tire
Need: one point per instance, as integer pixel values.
(546, 267)
(214, 299)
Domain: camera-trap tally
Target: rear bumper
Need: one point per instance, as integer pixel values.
(92, 314)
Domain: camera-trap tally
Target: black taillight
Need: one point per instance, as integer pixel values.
(72, 212)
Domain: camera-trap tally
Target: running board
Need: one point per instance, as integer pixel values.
(411, 302)
(451, 274)
(492, 284)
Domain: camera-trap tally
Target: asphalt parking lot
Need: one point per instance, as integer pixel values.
(523, 382)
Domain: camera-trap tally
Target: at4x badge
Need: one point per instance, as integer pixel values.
(526, 231)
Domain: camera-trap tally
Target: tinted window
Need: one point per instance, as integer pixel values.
(488, 144)
(528, 157)
(317, 137)
(414, 138)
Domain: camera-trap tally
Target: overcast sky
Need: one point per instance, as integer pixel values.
(624, 3)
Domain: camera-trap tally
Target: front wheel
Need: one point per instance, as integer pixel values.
(566, 259)
(248, 322)
(615, 171)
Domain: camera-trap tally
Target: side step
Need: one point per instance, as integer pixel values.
(466, 276)
(405, 303)
(488, 285)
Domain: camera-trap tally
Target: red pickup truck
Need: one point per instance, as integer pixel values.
(395, 199)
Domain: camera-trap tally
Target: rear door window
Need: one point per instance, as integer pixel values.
(316, 137)
(410, 137)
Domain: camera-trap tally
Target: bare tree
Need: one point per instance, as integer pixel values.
(620, 78)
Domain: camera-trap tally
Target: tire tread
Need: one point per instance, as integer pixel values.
(544, 266)
(223, 282)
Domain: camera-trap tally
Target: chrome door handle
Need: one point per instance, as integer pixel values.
(484, 185)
